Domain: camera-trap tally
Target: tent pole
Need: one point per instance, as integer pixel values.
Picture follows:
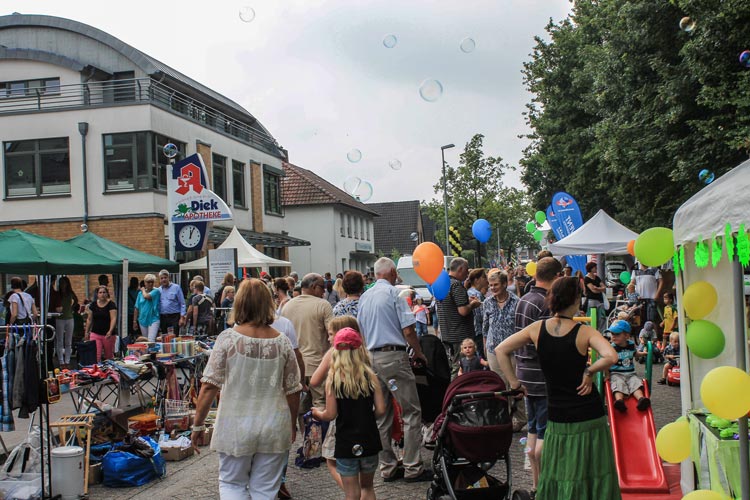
(125, 282)
(740, 350)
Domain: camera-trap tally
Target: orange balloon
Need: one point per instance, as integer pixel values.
(631, 247)
(428, 261)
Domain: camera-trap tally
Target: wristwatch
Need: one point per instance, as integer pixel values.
(198, 428)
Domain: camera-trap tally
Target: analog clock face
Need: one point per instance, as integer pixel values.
(189, 236)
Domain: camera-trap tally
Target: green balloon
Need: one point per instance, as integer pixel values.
(654, 246)
(530, 227)
(540, 217)
(625, 277)
(538, 235)
(705, 339)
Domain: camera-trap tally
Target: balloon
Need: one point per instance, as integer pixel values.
(673, 442)
(530, 227)
(705, 495)
(538, 235)
(482, 230)
(682, 419)
(631, 247)
(725, 391)
(428, 261)
(654, 246)
(625, 277)
(531, 268)
(704, 339)
(699, 299)
(441, 286)
(540, 217)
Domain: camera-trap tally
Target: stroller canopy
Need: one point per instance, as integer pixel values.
(479, 381)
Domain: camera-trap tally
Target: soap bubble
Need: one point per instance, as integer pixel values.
(364, 192)
(431, 90)
(706, 176)
(354, 155)
(687, 24)
(523, 441)
(351, 184)
(395, 164)
(467, 45)
(247, 14)
(170, 150)
(745, 58)
(392, 385)
(414, 236)
(357, 450)
(390, 41)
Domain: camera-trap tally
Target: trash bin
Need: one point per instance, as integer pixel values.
(67, 472)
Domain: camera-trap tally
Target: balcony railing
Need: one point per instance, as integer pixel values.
(129, 91)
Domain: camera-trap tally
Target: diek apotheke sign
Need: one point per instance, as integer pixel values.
(192, 200)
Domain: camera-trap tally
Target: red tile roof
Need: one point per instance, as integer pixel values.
(303, 187)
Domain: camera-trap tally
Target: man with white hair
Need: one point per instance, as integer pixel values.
(387, 324)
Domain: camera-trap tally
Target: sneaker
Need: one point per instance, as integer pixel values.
(395, 476)
(426, 475)
(620, 405)
(643, 404)
(662, 381)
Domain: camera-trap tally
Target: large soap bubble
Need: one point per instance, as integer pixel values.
(706, 176)
(354, 155)
(364, 192)
(351, 184)
(687, 24)
(390, 41)
(745, 58)
(395, 164)
(247, 14)
(467, 45)
(431, 90)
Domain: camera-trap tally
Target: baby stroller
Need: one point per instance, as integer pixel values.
(474, 432)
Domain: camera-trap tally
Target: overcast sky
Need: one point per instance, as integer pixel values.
(317, 74)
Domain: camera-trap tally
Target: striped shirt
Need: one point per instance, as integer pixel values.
(454, 327)
(531, 308)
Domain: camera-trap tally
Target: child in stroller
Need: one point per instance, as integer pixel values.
(474, 431)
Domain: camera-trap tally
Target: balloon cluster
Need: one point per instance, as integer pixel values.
(535, 227)
(428, 262)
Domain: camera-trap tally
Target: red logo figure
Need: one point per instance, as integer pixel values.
(190, 177)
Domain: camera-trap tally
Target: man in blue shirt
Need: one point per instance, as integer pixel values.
(387, 325)
(172, 305)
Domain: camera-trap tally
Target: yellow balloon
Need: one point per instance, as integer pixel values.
(682, 419)
(673, 442)
(531, 268)
(699, 299)
(704, 495)
(725, 391)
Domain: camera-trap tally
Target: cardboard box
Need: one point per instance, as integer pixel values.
(176, 454)
(207, 435)
(95, 474)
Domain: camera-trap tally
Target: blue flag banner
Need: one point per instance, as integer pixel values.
(564, 217)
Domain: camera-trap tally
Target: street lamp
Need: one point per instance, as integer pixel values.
(445, 197)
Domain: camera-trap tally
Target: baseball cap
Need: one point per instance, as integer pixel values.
(619, 326)
(347, 338)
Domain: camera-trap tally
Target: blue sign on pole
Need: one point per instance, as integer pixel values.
(564, 217)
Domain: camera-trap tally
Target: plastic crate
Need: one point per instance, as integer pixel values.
(176, 407)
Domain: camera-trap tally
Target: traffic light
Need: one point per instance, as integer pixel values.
(454, 238)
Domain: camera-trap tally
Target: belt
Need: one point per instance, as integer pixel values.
(389, 348)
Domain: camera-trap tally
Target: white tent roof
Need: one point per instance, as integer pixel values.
(726, 200)
(600, 234)
(247, 255)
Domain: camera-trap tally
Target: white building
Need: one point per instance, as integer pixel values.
(83, 119)
(338, 227)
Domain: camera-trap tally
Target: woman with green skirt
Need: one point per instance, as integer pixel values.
(578, 460)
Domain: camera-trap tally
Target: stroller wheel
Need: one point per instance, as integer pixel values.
(521, 495)
(434, 493)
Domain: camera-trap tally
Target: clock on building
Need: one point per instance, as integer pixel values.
(189, 236)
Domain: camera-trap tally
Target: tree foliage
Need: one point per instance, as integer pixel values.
(476, 191)
(627, 108)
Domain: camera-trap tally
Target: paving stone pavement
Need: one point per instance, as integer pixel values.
(197, 477)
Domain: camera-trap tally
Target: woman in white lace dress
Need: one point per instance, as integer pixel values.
(256, 370)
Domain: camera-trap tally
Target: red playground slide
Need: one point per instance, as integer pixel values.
(634, 438)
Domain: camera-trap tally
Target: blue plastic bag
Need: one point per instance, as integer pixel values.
(123, 469)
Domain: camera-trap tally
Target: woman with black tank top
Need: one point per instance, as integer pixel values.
(578, 461)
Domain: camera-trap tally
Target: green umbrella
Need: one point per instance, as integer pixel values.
(27, 253)
(137, 261)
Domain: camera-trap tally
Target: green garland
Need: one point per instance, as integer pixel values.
(729, 241)
(676, 261)
(701, 254)
(743, 246)
(715, 251)
(682, 257)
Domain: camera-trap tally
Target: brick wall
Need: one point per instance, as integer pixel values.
(204, 150)
(142, 233)
(256, 185)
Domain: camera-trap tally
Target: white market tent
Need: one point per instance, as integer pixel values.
(725, 201)
(601, 234)
(247, 255)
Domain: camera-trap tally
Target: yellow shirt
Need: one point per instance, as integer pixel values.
(669, 318)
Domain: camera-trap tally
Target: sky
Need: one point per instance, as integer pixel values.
(318, 76)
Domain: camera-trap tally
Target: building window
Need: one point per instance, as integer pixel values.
(219, 166)
(134, 161)
(238, 183)
(342, 225)
(356, 228)
(37, 167)
(272, 193)
(349, 226)
(24, 88)
(123, 85)
(367, 229)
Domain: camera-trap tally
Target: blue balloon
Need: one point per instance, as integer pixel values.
(482, 230)
(441, 286)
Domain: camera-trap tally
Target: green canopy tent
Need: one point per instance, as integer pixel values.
(137, 261)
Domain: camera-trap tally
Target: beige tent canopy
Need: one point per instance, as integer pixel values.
(247, 255)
